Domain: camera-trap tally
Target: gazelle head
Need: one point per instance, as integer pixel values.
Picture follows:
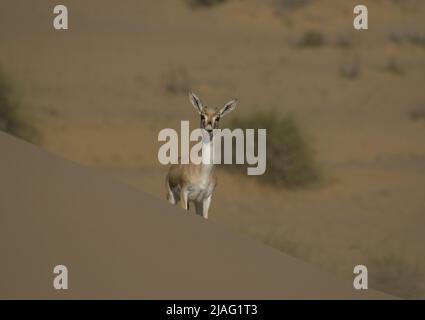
(210, 117)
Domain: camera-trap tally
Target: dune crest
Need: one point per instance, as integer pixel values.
(118, 242)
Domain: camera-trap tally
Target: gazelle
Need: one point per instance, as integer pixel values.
(196, 182)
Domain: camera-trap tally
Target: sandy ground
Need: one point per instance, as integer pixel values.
(100, 92)
(118, 242)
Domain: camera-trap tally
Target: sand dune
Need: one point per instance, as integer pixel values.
(100, 92)
(119, 242)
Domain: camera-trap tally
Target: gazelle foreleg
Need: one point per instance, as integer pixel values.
(184, 201)
(199, 208)
(206, 206)
(171, 196)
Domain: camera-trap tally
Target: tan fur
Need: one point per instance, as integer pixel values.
(195, 183)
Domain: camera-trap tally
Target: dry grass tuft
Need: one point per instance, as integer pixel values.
(11, 120)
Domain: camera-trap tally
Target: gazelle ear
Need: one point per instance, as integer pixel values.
(196, 102)
(228, 107)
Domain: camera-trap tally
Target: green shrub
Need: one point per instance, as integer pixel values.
(290, 160)
(10, 118)
(205, 3)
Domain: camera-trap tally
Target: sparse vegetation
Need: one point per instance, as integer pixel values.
(413, 37)
(279, 240)
(405, 6)
(292, 4)
(417, 114)
(343, 41)
(397, 276)
(205, 3)
(290, 160)
(312, 39)
(350, 68)
(394, 67)
(177, 81)
(11, 120)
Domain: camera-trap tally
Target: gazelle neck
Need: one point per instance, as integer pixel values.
(207, 152)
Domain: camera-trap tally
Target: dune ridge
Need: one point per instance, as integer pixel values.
(118, 242)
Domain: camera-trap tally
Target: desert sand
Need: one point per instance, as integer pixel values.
(100, 92)
(118, 242)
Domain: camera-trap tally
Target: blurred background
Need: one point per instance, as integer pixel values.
(344, 109)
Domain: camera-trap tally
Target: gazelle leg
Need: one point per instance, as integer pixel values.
(170, 194)
(206, 206)
(199, 208)
(184, 199)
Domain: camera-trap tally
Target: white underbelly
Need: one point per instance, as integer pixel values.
(200, 192)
